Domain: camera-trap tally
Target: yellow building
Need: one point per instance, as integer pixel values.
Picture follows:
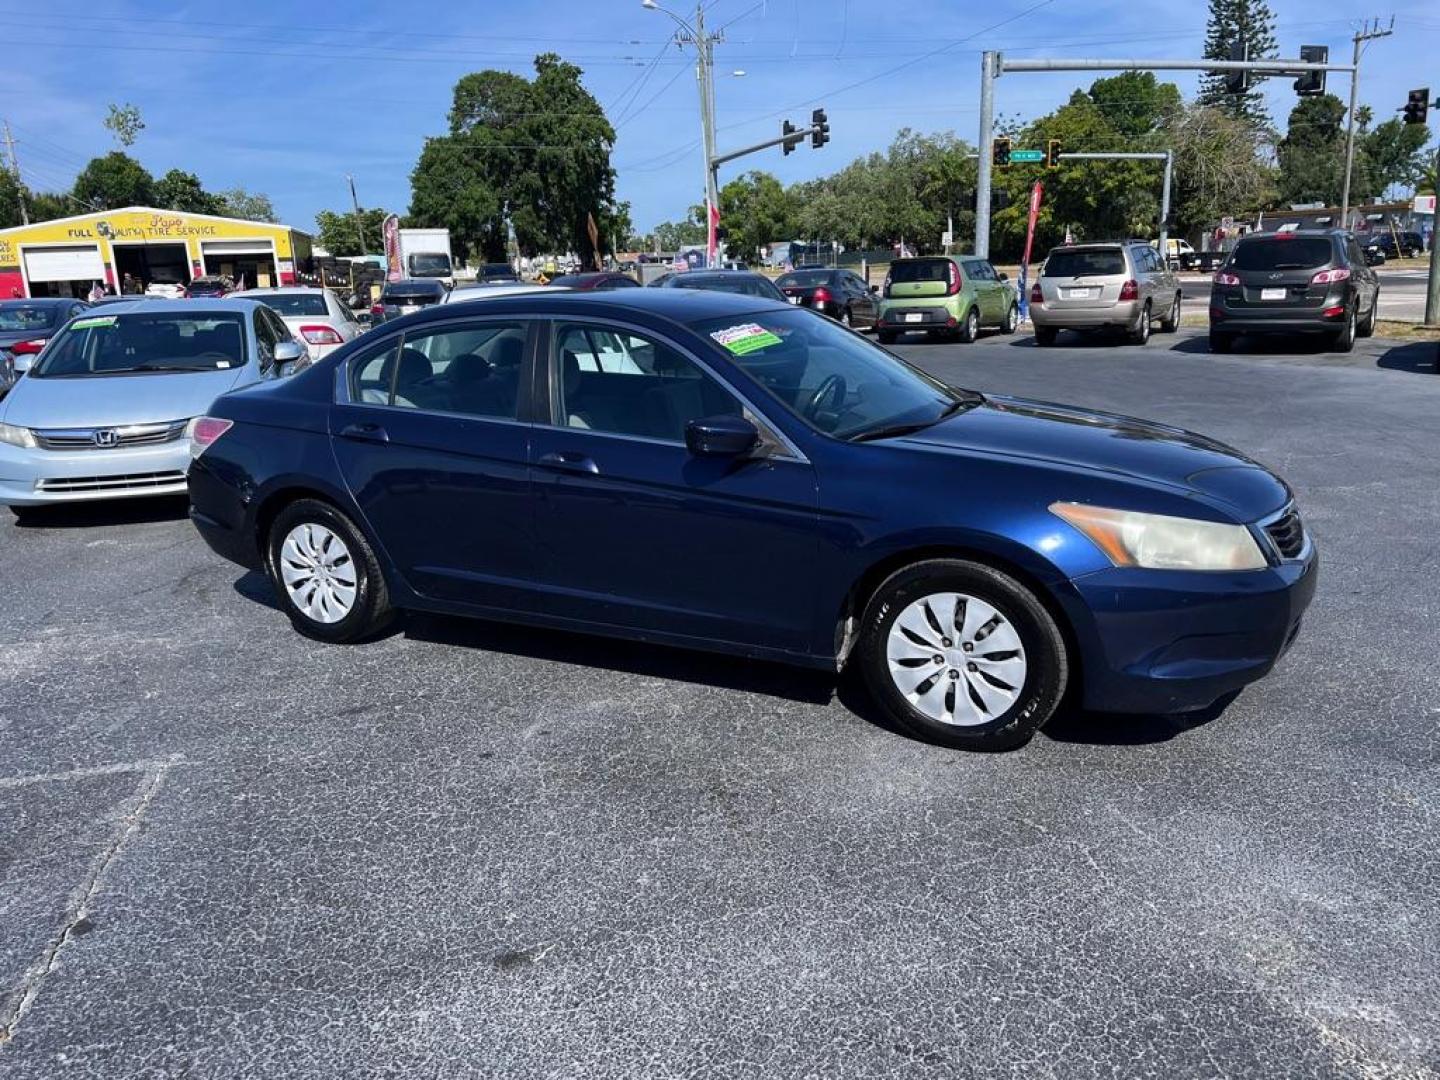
(65, 257)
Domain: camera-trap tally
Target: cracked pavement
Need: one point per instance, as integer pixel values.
(477, 850)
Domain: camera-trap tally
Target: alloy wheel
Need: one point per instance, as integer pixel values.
(318, 572)
(956, 659)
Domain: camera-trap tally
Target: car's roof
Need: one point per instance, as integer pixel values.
(39, 301)
(283, 290)
(407, 283)
(1312, 234)
(196, 306)
(677, 305)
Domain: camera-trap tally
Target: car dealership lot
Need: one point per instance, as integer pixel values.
(481, 850)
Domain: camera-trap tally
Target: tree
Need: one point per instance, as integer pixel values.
(1248, 21)
(528, 156)
(1134, 103)
(124, 123)
(1220, 168)
(1394, 154)
(250, 206)
(339, 234)
(179, 190)
(1312, 154)
(755, 212)
(673, 235)
(11, 192)
(113, 181)
(49, 205)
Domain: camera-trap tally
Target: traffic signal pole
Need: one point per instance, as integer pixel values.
(994, 64)
(1432, 288)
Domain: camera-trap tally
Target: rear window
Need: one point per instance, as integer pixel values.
(410, 294)
(805, 279)
(911, 270)
(737, 283)
(95, 345)
(21, 318)
(292, 304)
(1076, 263)
(1282, 253)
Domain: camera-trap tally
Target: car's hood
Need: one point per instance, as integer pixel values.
(1118, 446)
(114, 400)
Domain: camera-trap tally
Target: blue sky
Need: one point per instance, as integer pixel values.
(286, 98)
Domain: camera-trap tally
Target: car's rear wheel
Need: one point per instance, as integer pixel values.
(963, 655)
(1012, 320)
(846, 319)
(970, 326)
(1171, 322)
(325, 574)
(885, 337)
(1140, 333)
(1045, 335)
(1343, 340)
(1221, 342)
(1366, 327)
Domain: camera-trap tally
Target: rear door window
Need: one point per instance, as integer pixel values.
(1083, 263)
(1282, 253)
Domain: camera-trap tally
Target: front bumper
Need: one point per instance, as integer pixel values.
(1158, 641)
(1051, 317)
(48, 477)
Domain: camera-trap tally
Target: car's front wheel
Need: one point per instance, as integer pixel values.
(885, 337)
(1366, 327)
(325, 574)
(1171, 322)
(963, 655)
(1012, 320)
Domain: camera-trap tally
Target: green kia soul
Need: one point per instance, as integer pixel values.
(949, 296)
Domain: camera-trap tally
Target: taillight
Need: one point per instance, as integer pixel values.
(1223, 277)
(1329, 277)
(821, 296)
(1037, 295)
(203, 432)
(29, 348)
(320, 335)
(377, 309)
(956, 282)
(1130, 290)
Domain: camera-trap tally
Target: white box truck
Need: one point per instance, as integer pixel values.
(425, 253)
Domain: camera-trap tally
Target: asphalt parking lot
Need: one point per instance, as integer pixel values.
(474, 850)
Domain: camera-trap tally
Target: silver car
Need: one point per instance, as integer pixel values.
(104, 412)
(314, 315)
(1122, 286)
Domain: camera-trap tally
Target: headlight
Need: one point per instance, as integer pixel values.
(1160, 542)
(17, 436)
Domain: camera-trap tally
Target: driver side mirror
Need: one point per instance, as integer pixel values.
(721, 436)
(875, 289)
(288, 355)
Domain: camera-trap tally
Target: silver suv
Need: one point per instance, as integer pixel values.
(1094, 286)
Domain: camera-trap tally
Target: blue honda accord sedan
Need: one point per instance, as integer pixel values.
(718, 471)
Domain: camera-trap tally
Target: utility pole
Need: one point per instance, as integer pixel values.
(990, 64)
(1432, 286)
(15, 171)
(1369, 33)
(359, 221)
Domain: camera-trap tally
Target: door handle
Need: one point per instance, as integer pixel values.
(569, 461)
(365, 433)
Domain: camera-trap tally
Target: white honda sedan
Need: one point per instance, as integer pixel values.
(315, 316)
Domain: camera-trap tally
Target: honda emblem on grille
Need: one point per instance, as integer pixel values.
(106, 437)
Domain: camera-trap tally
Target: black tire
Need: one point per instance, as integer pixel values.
(1045, 335)
(1171, 322)
(1366, 326)
(1343, 340)
(885, 337)
(1139, 334)
(1221, 342)
(371, 611)
(847, 320)
(1012, 320)
(1047, 663)
(969, 326)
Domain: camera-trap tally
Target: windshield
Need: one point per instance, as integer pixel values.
(21, 319)
(430, 265)
(745, 286)
(1072, 263)
(805, 279)
(291, 304)
(832, 379)
(1292, 253)
(119, 344)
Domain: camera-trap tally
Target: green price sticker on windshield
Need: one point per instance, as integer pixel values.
(98, 320)
(745, 338)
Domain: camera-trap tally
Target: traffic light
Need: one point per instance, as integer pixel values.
(1000, 152)
(1052, 154)
(1237, 82)
(1312, 82)
(821, 135)
(1417, 104)
(787, 129)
